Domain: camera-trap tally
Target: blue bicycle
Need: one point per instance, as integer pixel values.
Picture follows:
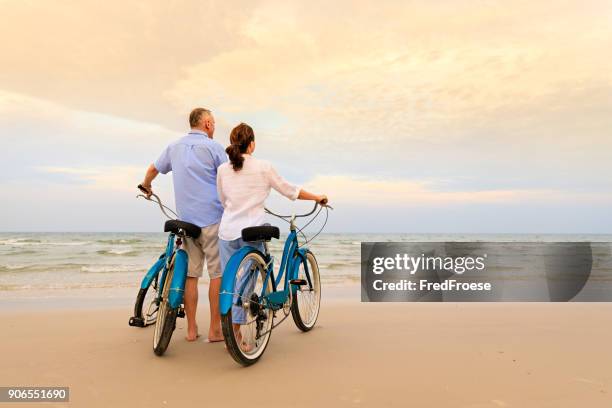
(251, 297)
(160, 297)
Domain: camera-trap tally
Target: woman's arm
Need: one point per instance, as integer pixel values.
(306, 195)
(220, 189)
(289, 190)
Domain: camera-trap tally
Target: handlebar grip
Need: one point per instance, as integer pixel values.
(143, 189)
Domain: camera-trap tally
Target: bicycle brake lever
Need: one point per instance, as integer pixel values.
(149, 198)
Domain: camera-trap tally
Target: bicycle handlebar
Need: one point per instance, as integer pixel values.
(163, 208)
(300, 215)
(157, 200)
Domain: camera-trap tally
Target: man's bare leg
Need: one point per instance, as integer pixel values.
(214, 332)
(191, 306)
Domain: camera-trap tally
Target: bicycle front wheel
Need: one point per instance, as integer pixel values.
(307, 299)
(166, 318)
(247, 326)
(145, 308)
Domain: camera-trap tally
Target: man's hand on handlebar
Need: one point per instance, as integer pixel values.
(147, 190)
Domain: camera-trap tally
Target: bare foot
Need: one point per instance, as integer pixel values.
(214, 339)
(215, 336)
(244, 346)
(192, 335)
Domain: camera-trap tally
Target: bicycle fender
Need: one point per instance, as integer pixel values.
(226, 293)
(303, 254)
(177, 286)
(294, 263)
(153, 271)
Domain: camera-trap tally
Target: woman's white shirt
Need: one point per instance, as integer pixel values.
(243, 193)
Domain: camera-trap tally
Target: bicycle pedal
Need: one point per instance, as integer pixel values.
(298, 282)
(136, 322)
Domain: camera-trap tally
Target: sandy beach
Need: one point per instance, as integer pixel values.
(373, 355)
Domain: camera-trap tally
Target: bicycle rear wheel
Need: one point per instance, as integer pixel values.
(166, 318)
(247, 326)
(307, 299)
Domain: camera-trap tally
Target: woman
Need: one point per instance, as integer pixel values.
(243, 185)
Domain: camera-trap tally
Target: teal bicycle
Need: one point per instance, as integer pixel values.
(160, 297)
(253, 301)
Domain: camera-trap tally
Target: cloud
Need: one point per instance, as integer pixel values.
(23, 109)
(110, 178)
(36, 133)
(350, 190)
(113, 57)
(516, 98)
(428, 70)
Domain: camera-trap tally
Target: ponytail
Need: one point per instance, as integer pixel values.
(240, 139)
(235, 156)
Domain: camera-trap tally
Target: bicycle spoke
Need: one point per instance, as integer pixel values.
(308, 297)
(249, 307)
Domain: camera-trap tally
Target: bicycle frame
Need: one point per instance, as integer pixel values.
(292, 256)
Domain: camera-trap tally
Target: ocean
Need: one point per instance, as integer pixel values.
(67, 261)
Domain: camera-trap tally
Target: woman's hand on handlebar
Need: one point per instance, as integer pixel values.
(322, 200)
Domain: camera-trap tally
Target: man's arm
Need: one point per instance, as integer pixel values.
(149, 177)
(162, 165)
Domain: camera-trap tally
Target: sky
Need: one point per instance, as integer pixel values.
(413, 117)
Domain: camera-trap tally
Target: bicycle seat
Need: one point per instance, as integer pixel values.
(260, 233)
(191, 230)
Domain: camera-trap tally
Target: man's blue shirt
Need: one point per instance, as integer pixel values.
(193, 160)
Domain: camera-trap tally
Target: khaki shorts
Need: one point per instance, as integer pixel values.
(201, 249)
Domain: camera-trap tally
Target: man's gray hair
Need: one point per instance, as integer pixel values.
(196, 116)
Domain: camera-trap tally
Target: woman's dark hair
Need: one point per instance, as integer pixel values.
(240, 139)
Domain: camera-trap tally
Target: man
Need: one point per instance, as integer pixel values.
(193, 160)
